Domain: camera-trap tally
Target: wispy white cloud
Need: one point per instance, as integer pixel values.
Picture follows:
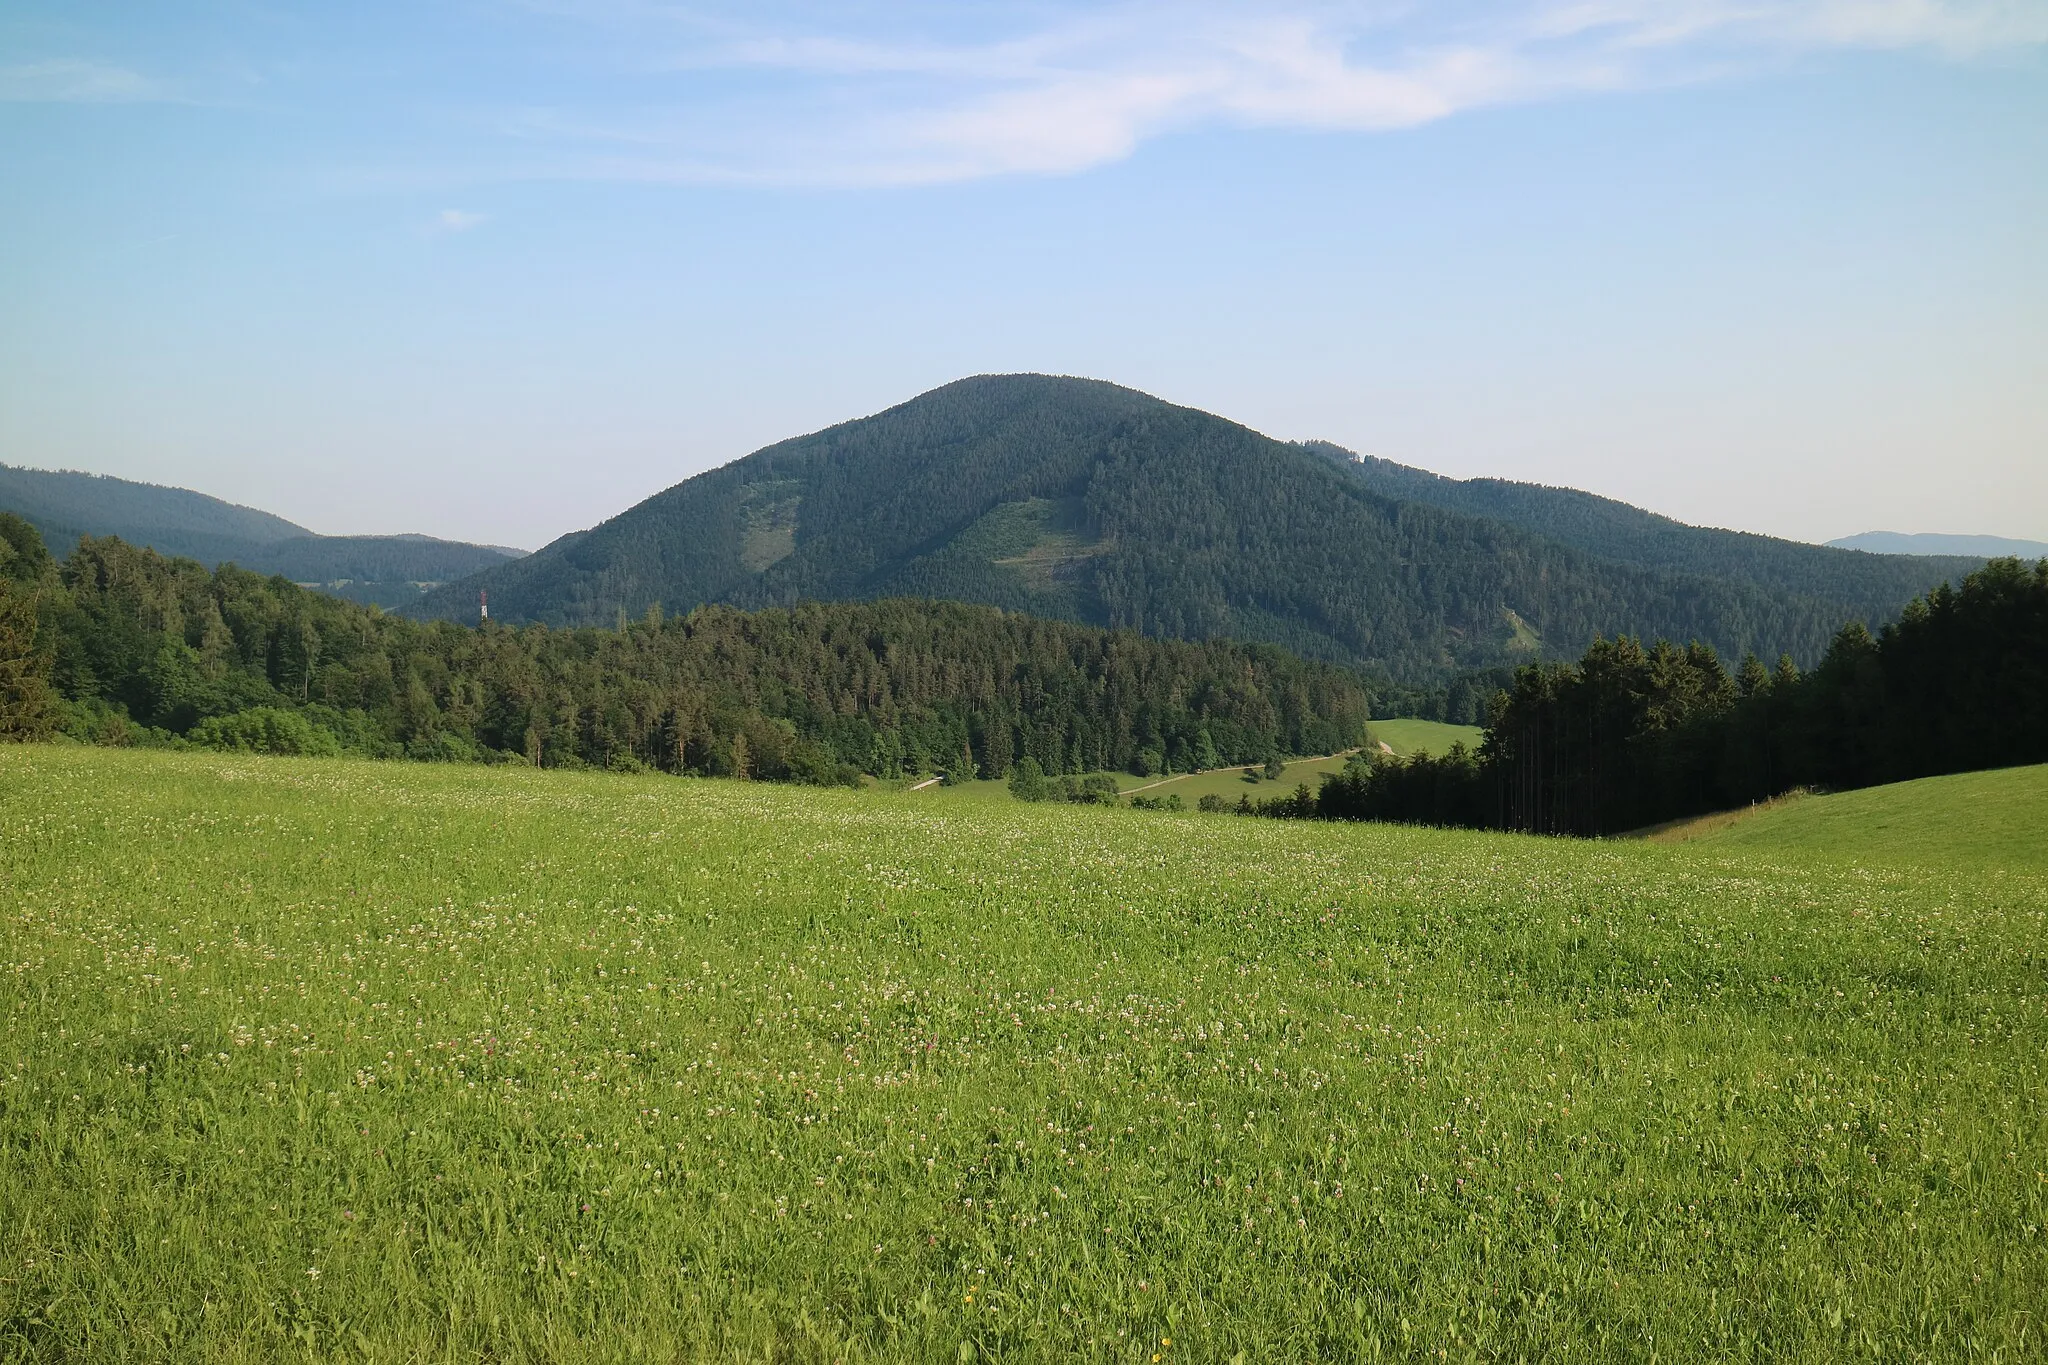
(75, 82)
(449, 221)
(925, 91)
(1038, 89)
(1957, 27)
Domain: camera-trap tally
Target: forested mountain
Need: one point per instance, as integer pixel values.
(1081, 500)
(1872, 588)
(65, 506)
(120, 645)
(1924, 543)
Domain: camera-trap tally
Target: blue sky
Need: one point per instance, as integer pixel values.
(496, 270)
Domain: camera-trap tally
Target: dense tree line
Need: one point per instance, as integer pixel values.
(1461, 699)
(1087, 502)
(118, 644)
(1029, 782)
(1631, 736)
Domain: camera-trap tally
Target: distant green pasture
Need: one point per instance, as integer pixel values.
(1406, 737)
(1231, 783)
(1402, 736)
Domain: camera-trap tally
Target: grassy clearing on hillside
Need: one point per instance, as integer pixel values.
(1406, 737)
(390, 1062)
(1231, 783)
(1973, 820)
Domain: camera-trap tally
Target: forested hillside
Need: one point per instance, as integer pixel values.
(1088, 502)
(120, 645)
(1871, 587)
(67, 506)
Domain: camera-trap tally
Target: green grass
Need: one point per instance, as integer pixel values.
(1971, 820)
(1231, 783)
(1406, 737)
(977, 792)
(334, 1060)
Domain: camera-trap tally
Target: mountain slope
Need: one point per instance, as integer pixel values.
(1923, 543)
(376, 559)
(1871, 587)
(66, 505)
(1082, 500)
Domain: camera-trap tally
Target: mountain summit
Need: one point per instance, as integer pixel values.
(1082, 500)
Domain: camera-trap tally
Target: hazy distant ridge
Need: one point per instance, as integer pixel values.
(1934, 543)
(65, 504)
(103, 505)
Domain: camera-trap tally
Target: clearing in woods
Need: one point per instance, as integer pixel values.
(404, 1061)
(1229, 783)
(1406, 737)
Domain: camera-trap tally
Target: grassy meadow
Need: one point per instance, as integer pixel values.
(340, 1060)
(1406, 737)
(1969, 820)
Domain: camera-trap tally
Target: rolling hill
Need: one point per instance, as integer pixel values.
(1086, 501)
(65, 505)
(1978, 821)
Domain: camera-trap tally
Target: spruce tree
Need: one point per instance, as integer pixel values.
(1753, 680)
(26, 712)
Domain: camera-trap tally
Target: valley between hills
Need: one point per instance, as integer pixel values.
(1035, 874)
